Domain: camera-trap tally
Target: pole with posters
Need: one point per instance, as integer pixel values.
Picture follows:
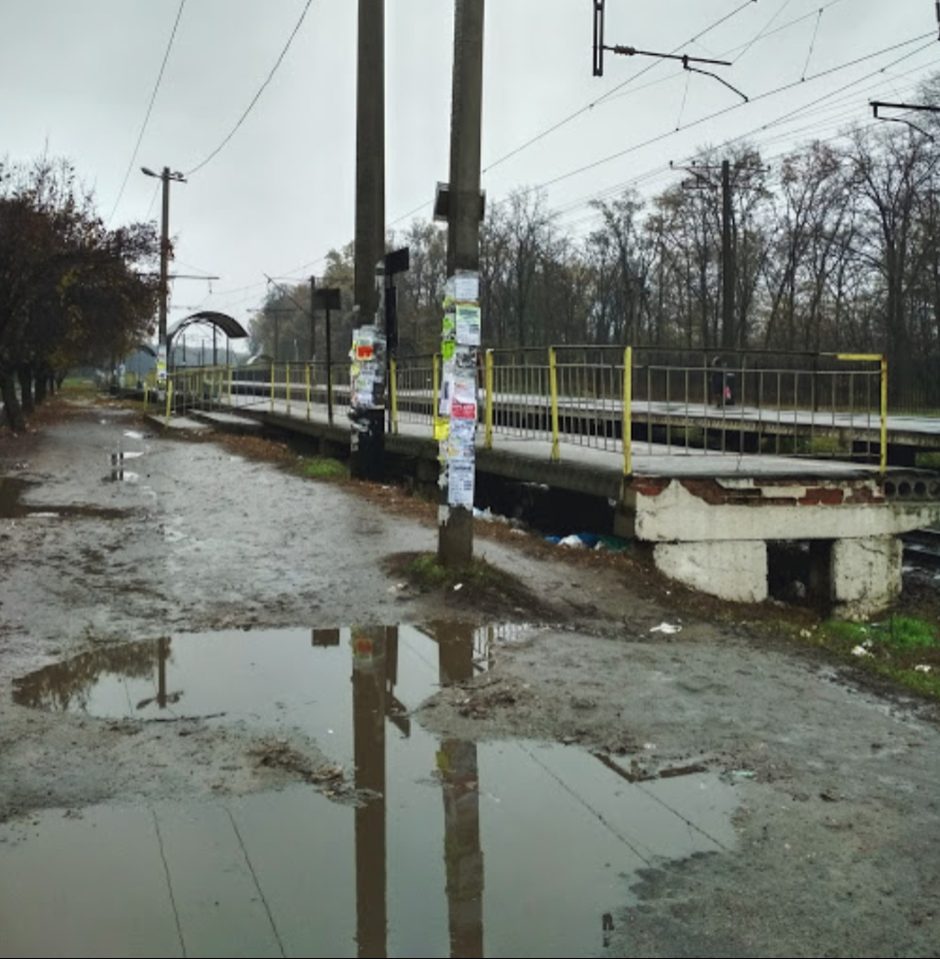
(461, 328)
(367, 364)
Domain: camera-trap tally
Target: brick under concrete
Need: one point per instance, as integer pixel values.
(674, 512)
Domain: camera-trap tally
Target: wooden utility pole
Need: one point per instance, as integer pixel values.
(455, 532)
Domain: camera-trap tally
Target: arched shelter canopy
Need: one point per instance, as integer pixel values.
(227, 324)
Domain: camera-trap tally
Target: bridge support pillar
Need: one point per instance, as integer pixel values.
(865, 575)
(734, 570)
(712, 533)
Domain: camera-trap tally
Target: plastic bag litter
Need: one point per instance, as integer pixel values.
(667, 628)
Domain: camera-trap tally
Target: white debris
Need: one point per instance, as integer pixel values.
(667, 628)
(572, 540)
(861, 651)
(922, 668)
(458, 586)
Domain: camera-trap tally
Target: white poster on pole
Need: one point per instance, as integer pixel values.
(467, 287)
(468, 324)
(460, 472)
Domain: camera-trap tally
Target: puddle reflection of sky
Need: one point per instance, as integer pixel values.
(507, 848)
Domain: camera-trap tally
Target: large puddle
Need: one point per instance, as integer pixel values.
(465, 849)
(12, 490)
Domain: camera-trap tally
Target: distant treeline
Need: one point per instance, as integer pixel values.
(833, 247)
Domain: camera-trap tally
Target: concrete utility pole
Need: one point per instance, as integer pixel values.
(728, 264)
(727, 261)
(455, 532)
(165, 176)
(370, 155)
(367, 436)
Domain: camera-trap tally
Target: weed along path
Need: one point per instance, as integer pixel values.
(242, 712)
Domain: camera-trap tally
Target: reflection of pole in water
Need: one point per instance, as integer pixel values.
(368, 679)
(162, 698)
(457, 764)
(163, 647)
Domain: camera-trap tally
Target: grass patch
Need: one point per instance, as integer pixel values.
(826, 446)
(426, 571)
(491, 593)
(78, 385)
(323, 468)
(928, 460)
(903, 648)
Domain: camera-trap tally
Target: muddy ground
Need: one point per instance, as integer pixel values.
(838, 828)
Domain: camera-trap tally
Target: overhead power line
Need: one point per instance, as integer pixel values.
(737, 106)
(807, 110)
(257, 96)
(604, 96)
(153, 97)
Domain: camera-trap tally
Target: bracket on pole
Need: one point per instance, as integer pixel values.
(599, 47)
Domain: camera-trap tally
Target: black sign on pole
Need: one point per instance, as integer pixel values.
(398, 261)
(328, 298)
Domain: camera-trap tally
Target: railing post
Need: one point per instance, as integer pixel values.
(169, 399)
(882, 360)
(627, 425)
(329, 382)
(272, 386)
(553, 390)
(393, 391)
(307, 387)
(490, 399)
(436, 393)
(287, 389)
(883, 458)
(230, 378)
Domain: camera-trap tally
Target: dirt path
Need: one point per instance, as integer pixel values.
(837, 825)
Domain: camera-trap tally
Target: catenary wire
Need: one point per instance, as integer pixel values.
(257, 95)
(153, 97)
(590, 106)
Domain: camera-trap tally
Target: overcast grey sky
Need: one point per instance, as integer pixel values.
(76, 77)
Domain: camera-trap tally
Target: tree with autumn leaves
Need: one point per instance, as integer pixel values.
(72, 292)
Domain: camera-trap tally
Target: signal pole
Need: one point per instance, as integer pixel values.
(313, 329)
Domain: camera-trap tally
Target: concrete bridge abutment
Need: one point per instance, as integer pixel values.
(717, 535)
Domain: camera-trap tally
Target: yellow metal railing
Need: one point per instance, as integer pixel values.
(882, 360)
(680, 402)
(393, 391)
(553, 392)
(488, 409)
(626, 422)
